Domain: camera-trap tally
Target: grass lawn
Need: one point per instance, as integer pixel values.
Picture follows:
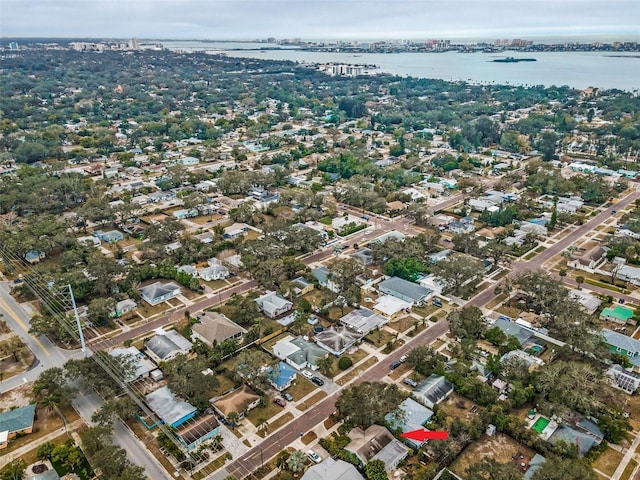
(216, 284)
(148, 311)
(174, 302)
(356, 372)
(311, 401)
(400, 371)
(224, 385)
(330, 422)
(268, 411)
(626, 475)
(501, 447)
(404, 324)
(426, 311)
(437, 343)
(301, 388)
(452, 407)
(276, 424)
(509, 311)
(608, 461)
(500, 298)
(309, 437)
(633, 407)
(379, 337)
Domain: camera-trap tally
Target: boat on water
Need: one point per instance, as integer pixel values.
(514, 60)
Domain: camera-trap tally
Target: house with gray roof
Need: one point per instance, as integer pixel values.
(363, 320)
(125, 306)
(273, 305)
(433, 390)
(330, 469)
(213, 272)
(166, 346)
(298, 352)
(409, 416)
(337, 340)
(377, 443)
(623, 379)
(170, 409)
(323, 277)
(405, 290)
(364, 256)
(622, 344)
(159, 292)
(581, 439)
(534, 465)
(141, 366)
(513, 329)
(111, 236)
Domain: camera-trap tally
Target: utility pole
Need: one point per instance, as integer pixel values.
(75, 312)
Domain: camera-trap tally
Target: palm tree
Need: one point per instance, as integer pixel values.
(579, 281)
(281, 459)
(233, 418)
(296, 461)
(262, 425)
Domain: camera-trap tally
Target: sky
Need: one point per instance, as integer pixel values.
(320, 19)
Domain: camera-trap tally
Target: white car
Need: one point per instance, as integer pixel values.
(307, 373)
(314, 456)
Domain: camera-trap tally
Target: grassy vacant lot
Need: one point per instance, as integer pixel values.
(269, 410)
(309, 437)
(501, 447)
(311, 401)
(457, 406)
(608, 461)
(379, 337)
(301, 388)
(626, 475)
(355, 372)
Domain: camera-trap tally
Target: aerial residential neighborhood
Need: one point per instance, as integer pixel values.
(218, 268)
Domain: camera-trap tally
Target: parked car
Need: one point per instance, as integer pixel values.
(313, 456)
(410, 382)
(287, 396)
(279, 401)
(436, 302)
(318, 381)
(395, 365)
(621, 300)
(403, 358)
(308, 374)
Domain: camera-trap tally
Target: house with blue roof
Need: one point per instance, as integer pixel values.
(282, 376)
(16, 421)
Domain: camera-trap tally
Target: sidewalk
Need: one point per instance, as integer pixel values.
(39, 441)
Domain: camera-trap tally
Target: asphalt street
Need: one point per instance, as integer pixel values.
(244, 465)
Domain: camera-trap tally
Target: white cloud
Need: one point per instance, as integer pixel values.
(371, 19)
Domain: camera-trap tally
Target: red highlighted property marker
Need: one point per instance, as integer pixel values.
(422, 435)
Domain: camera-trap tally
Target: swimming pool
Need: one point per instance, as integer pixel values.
(540, 424)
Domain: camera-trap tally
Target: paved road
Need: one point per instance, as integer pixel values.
(46, 353)
(86, 405)
(539, 260)
(243, 466)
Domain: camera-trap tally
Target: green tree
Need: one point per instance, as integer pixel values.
(344, 363)
(325, 364)
(376, 470)
(467, 323)
(13, 470)
(490, 469)
(296, 461)
(459, 273)
(426, 360)
(557, 468)
(367, 403)
(44, 451)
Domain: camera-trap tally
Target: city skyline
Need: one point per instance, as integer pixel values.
(315, 19)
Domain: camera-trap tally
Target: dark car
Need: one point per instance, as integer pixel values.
(318, 381)
(395, 365)
(279, 401)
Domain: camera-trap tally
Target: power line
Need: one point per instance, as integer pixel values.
(59, 304)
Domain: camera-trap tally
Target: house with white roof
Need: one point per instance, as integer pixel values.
(273, 305)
